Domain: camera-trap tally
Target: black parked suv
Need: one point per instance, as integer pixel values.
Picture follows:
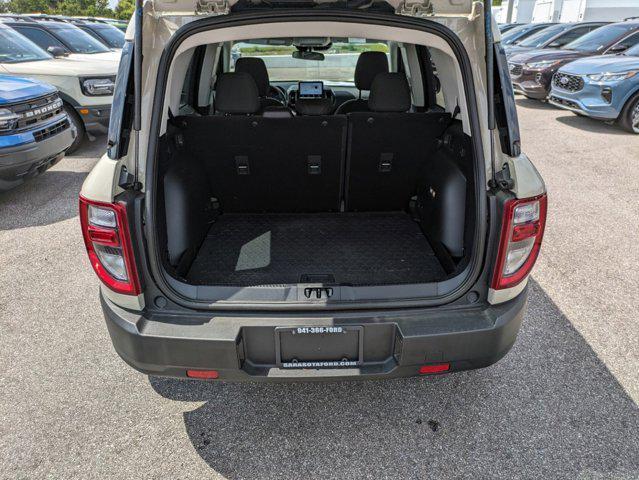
(106, 33)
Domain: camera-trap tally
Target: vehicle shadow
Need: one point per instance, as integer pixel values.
(91, 148)
(592, 125)
(532, 103)
(549, 409)
(52, 196)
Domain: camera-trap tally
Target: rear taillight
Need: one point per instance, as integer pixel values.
(521, 235)
(106, 235)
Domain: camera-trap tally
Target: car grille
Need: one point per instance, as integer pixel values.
(36, 111)
(515, 69)
(564, 102)
(51, 130)
(572, 83)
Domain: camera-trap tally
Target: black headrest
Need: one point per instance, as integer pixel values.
(389, 93)
(369, 64)
(256, 68)
(236, 93)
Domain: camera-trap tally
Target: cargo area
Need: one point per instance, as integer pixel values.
(227, 220)
(277, 185)
(331, 248)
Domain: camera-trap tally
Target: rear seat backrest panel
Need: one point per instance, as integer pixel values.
(387, 157)
(257, 164)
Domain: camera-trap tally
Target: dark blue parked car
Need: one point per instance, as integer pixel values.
(522, 32)
(605, 87)
(34, 129)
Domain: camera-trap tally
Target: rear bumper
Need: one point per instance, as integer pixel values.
(395, 344)
(22, 162)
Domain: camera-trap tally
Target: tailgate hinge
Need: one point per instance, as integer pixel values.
(212, 7)
(502, 180)
(127, 181)
(415, 8)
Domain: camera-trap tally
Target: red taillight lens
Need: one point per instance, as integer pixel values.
(521, 235)
(106, 235)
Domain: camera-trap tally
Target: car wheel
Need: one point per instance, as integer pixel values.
(76, 121)
(629, 119)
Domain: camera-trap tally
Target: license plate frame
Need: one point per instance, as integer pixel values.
(318, 338)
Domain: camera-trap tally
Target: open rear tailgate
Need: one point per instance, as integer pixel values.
(217, 7)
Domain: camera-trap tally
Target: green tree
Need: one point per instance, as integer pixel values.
(60, 7)
(124, 9)
(29, 6)
(91, 8)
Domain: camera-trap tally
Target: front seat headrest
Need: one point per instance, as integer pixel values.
(389, 93)
(256, 68)
(369, 65)
(236, 93)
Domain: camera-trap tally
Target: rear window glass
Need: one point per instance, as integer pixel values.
(78, 41)
(338, 64)
(518, 34)
(41, 38)
(633, 52)
(540, 38)
(114, 37)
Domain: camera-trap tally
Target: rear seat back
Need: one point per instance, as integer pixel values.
(388, 147)
(292, 164)
(274, 163)
(257, 164)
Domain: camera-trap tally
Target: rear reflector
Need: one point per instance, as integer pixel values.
(436, 368)
(203, 374)
(522, 232)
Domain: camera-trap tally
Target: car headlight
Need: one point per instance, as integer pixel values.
(612, 77)
(541, 65)
(97, 87)
(8, 120)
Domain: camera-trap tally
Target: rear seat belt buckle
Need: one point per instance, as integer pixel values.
(242, 165)
(314, 164)
(385, 162)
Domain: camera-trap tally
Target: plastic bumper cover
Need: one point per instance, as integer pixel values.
(395, 344)
(531, 88)
(30, 159)
(95, 118)
(588, 101)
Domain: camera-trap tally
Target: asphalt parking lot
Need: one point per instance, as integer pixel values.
(562, 404)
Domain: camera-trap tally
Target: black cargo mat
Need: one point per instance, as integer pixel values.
(351, 248)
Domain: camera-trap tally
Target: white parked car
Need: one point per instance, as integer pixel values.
(270, 209)
(86, 87)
